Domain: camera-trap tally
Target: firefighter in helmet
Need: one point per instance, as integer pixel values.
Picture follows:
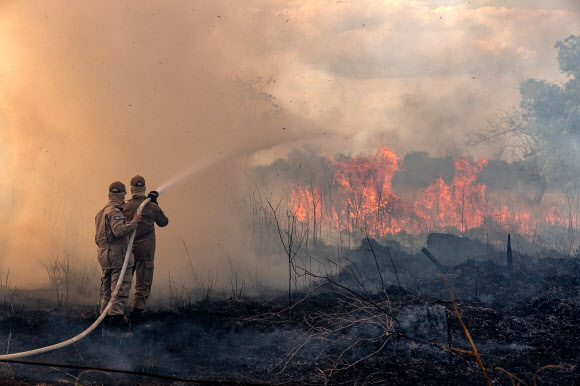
(112, 238)
(144, 244)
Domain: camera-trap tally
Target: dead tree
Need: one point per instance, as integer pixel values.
(290, 236)
(509, 254)
(510, 134)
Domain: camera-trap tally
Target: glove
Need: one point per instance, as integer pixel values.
(153, 196)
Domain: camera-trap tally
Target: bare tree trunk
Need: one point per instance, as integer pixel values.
(290, 237)
(314, 211)
(509, 254)
(289, 281)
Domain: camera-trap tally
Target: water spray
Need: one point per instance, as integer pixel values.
(179, 178)
(163, 188)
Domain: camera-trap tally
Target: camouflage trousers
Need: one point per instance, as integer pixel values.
(143, 271)
(109, 279)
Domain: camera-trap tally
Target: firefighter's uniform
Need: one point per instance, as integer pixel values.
(144, 244)
(112, 237)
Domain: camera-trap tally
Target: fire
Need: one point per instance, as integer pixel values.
(360, 197)
(458, 205)
(365, 188)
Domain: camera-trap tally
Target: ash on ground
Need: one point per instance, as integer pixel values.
(384, 317)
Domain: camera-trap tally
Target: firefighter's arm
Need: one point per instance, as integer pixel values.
(160, 217)
(120, 226)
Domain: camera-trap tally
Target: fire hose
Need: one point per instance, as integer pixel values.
(99, 319)
(184, 175)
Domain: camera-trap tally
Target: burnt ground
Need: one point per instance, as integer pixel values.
(519, 321)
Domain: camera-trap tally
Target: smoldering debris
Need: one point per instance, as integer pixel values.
(452, 249)
(475, 274)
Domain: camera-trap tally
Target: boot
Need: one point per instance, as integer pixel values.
(135, 316)
(105, 326)
(115, 321)
(119, 326)
(112, 325)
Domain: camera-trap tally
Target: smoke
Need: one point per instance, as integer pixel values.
(93, 94)
(90, 94)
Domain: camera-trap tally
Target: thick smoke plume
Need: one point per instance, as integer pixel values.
(95, 94)
(90, 94)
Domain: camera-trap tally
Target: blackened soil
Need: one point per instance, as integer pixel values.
(249, 341)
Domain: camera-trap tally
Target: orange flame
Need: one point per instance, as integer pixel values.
(361, 197)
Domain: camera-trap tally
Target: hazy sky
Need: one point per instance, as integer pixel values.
(92, 92)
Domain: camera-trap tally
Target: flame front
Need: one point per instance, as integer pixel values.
(359, 196)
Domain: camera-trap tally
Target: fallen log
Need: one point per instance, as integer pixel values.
(433, 259)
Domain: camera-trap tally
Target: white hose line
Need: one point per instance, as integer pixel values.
(99, 319)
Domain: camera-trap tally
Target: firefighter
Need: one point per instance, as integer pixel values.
(112, 238)
(144, 245)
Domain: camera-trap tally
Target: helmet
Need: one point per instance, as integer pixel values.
(138, 181)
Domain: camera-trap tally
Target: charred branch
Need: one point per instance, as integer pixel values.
(434, 260)
(290, 236)
(509, 254)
